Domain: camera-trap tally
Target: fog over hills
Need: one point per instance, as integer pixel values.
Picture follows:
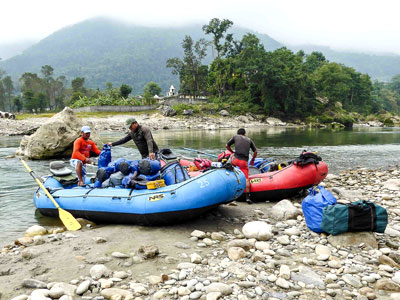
(102, 50)
(11, 49)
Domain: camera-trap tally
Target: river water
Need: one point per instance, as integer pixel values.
(341, 149)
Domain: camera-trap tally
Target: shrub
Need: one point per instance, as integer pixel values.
(388, 122)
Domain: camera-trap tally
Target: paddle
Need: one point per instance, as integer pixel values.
(200, 152)
(68, 220)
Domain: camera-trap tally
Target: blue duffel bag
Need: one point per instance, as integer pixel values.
(313, 206)
(173, 173)
(105, 156)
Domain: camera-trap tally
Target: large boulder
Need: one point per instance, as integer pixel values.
(55, 138)
(224, 113)
(188, 112)
(275, 122)
(284, 210)
(168, 111)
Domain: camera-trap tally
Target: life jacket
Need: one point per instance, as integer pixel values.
(306, 158)
(202, 163)
(224, 155)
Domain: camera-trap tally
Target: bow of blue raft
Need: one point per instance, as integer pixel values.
(164, 205)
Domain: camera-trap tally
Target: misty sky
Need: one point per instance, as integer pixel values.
(351, 24)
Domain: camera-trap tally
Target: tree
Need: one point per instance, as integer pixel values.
(30, 82)
(49, 85)
(47, 71)
(222, 43)
(152, 89)
(192, 74)
(77, 85)
(2, 91)
(314, 61)
(17, 104)
(217, 29)
(8, 87)
(395, 83)
(125, 90)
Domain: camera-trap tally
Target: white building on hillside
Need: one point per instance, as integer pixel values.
(171, 91)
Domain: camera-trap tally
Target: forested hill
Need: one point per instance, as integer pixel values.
(380, 67)
(103, 50)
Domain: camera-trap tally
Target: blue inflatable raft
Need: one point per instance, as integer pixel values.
(165, 205)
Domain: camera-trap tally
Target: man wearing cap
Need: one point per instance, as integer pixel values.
(142, 137)
(81, 153)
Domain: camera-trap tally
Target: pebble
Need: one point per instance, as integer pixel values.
(119, 255)
(195, 258)
(99, 271)
(198, 234)
(83, 287)
(35, 230)
(34, 283)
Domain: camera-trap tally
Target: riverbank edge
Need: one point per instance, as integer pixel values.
(157, 121)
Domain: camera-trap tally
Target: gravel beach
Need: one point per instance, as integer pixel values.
(239, 251)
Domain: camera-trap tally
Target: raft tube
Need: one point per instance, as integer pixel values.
(285, 183)
(166, 205)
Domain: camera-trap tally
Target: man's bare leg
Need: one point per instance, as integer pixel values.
(79, 173)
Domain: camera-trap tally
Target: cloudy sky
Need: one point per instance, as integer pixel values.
(345, 24)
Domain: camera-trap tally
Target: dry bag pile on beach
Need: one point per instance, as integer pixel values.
(323, 214)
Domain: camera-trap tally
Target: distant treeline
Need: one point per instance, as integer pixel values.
(242, 76)
(46, 93)
(278, 82)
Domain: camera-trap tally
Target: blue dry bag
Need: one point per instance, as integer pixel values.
(173, 173)
(105, 156)
(313, 206)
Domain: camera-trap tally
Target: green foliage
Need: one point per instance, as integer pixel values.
(101, 99)
(35, 102)
(152, 89)
(388, 122)
(17, 103)
(125, 90)
(77, 85)
(179, 108)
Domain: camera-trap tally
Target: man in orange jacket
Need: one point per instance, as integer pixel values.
(81, 153)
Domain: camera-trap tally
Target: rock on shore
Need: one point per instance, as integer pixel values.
(54, 138)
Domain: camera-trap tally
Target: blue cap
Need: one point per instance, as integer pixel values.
(85, 129)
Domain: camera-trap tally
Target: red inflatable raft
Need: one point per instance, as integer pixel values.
(285, 183)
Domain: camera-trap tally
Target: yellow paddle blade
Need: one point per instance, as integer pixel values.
(68, 220)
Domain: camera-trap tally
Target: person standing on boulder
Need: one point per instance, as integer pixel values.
(142, 137)
(240, 158)
(81, 153)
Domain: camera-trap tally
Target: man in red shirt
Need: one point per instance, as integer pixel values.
(240, 156)
(81, 153)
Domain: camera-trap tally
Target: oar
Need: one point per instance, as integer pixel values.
(200, 152)
(68, 220)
